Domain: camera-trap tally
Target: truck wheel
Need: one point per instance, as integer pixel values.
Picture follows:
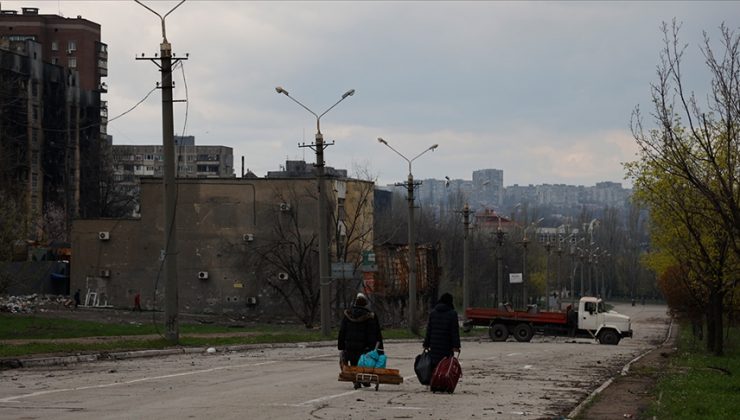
(498, 332)
(523, 332)
(609, 337)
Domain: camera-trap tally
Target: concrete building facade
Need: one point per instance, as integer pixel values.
(232, 234)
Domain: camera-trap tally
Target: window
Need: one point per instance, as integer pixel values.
(54, 46)
(55, 60)
(72, 46)
(72, 62)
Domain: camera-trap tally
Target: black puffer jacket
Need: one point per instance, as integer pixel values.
(443, 332)
(359, 331)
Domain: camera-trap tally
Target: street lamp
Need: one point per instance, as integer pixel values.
(412, 244)
(318, 147)
(500, 265)
(548, 248)
(525, 242)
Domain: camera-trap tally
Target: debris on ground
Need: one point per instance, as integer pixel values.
(31, 303)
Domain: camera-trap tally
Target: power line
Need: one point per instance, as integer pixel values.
(132, 108)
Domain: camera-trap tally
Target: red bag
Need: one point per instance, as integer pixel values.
(446, 375)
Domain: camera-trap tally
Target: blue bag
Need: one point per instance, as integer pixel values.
(372, 359)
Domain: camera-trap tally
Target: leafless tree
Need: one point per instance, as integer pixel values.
(290, 256)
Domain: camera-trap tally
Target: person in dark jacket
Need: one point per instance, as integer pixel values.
(443, 331)
(359, 332)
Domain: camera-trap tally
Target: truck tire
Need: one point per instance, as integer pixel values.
(498, 332)
(523, 332)
(609, 337)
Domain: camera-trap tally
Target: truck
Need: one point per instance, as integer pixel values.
(590, 320)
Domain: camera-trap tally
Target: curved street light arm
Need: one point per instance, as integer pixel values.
(350, 92)
(380, 140)
(161, 18)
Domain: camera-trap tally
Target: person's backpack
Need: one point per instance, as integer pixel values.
(446, 375)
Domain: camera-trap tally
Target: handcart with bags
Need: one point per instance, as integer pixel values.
(370, 370)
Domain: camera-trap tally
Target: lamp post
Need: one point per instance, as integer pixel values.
(169, 254)
(466, 256)
(318, 147)
(525, 242)
(500, 266)
(548, 248)
(412, 244)
(559, 253)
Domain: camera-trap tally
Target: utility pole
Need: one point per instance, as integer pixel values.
(466, 256)
(324, 262)
(171, 321)
(324, 257)
(559, 252)
(525, 242)
(500, 266)
(413, 324)
(548, 248)
(413, 327)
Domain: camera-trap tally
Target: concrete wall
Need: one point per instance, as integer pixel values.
(213, 215)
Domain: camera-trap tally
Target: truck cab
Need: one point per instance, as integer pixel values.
(607, 326)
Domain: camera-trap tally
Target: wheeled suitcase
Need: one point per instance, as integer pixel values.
(446, 375)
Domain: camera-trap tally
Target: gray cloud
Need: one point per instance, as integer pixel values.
(542, 90)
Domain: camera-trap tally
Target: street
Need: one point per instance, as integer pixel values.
(541, 379)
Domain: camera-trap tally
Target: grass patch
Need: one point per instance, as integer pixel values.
(13, 326)
(29, 327)
(700, 385)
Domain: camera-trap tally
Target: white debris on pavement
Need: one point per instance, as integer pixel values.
(31, 303)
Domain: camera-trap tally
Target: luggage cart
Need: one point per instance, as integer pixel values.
(375, 376)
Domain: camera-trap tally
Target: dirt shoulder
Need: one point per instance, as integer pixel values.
(629, 396)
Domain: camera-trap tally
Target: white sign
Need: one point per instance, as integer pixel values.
(515, 278)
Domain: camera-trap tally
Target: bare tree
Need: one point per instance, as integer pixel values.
(291, 256)
(352, 223)
(690, 164)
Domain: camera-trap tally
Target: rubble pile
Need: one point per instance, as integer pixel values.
(31, 303)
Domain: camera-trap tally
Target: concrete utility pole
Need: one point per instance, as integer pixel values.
(500, 267)
(324, 258)
(466, 256)
(171, 322)
(413, 327)
(525, 242)
(548, 248)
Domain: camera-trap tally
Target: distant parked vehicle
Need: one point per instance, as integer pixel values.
(591, 320)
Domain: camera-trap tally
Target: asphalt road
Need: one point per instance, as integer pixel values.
(545, 378)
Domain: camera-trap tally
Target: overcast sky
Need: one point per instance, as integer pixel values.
(542, 90)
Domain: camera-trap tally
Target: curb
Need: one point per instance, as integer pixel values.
(32, 362)
(625, 370)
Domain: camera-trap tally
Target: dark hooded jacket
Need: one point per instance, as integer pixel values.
(359, 331)
(443, 332)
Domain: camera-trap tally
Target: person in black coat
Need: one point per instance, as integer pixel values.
(443, 331)
(359, 332)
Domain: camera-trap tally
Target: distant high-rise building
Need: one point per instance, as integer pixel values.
(131, 162)
(52, 119)
(302, 169)
(488, 187)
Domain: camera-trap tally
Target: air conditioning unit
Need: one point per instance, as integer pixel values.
(104, 236)
(252, 300)
(203, 275)
(247, 237)
(284, 207)
(105, 273)
(282, 276)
